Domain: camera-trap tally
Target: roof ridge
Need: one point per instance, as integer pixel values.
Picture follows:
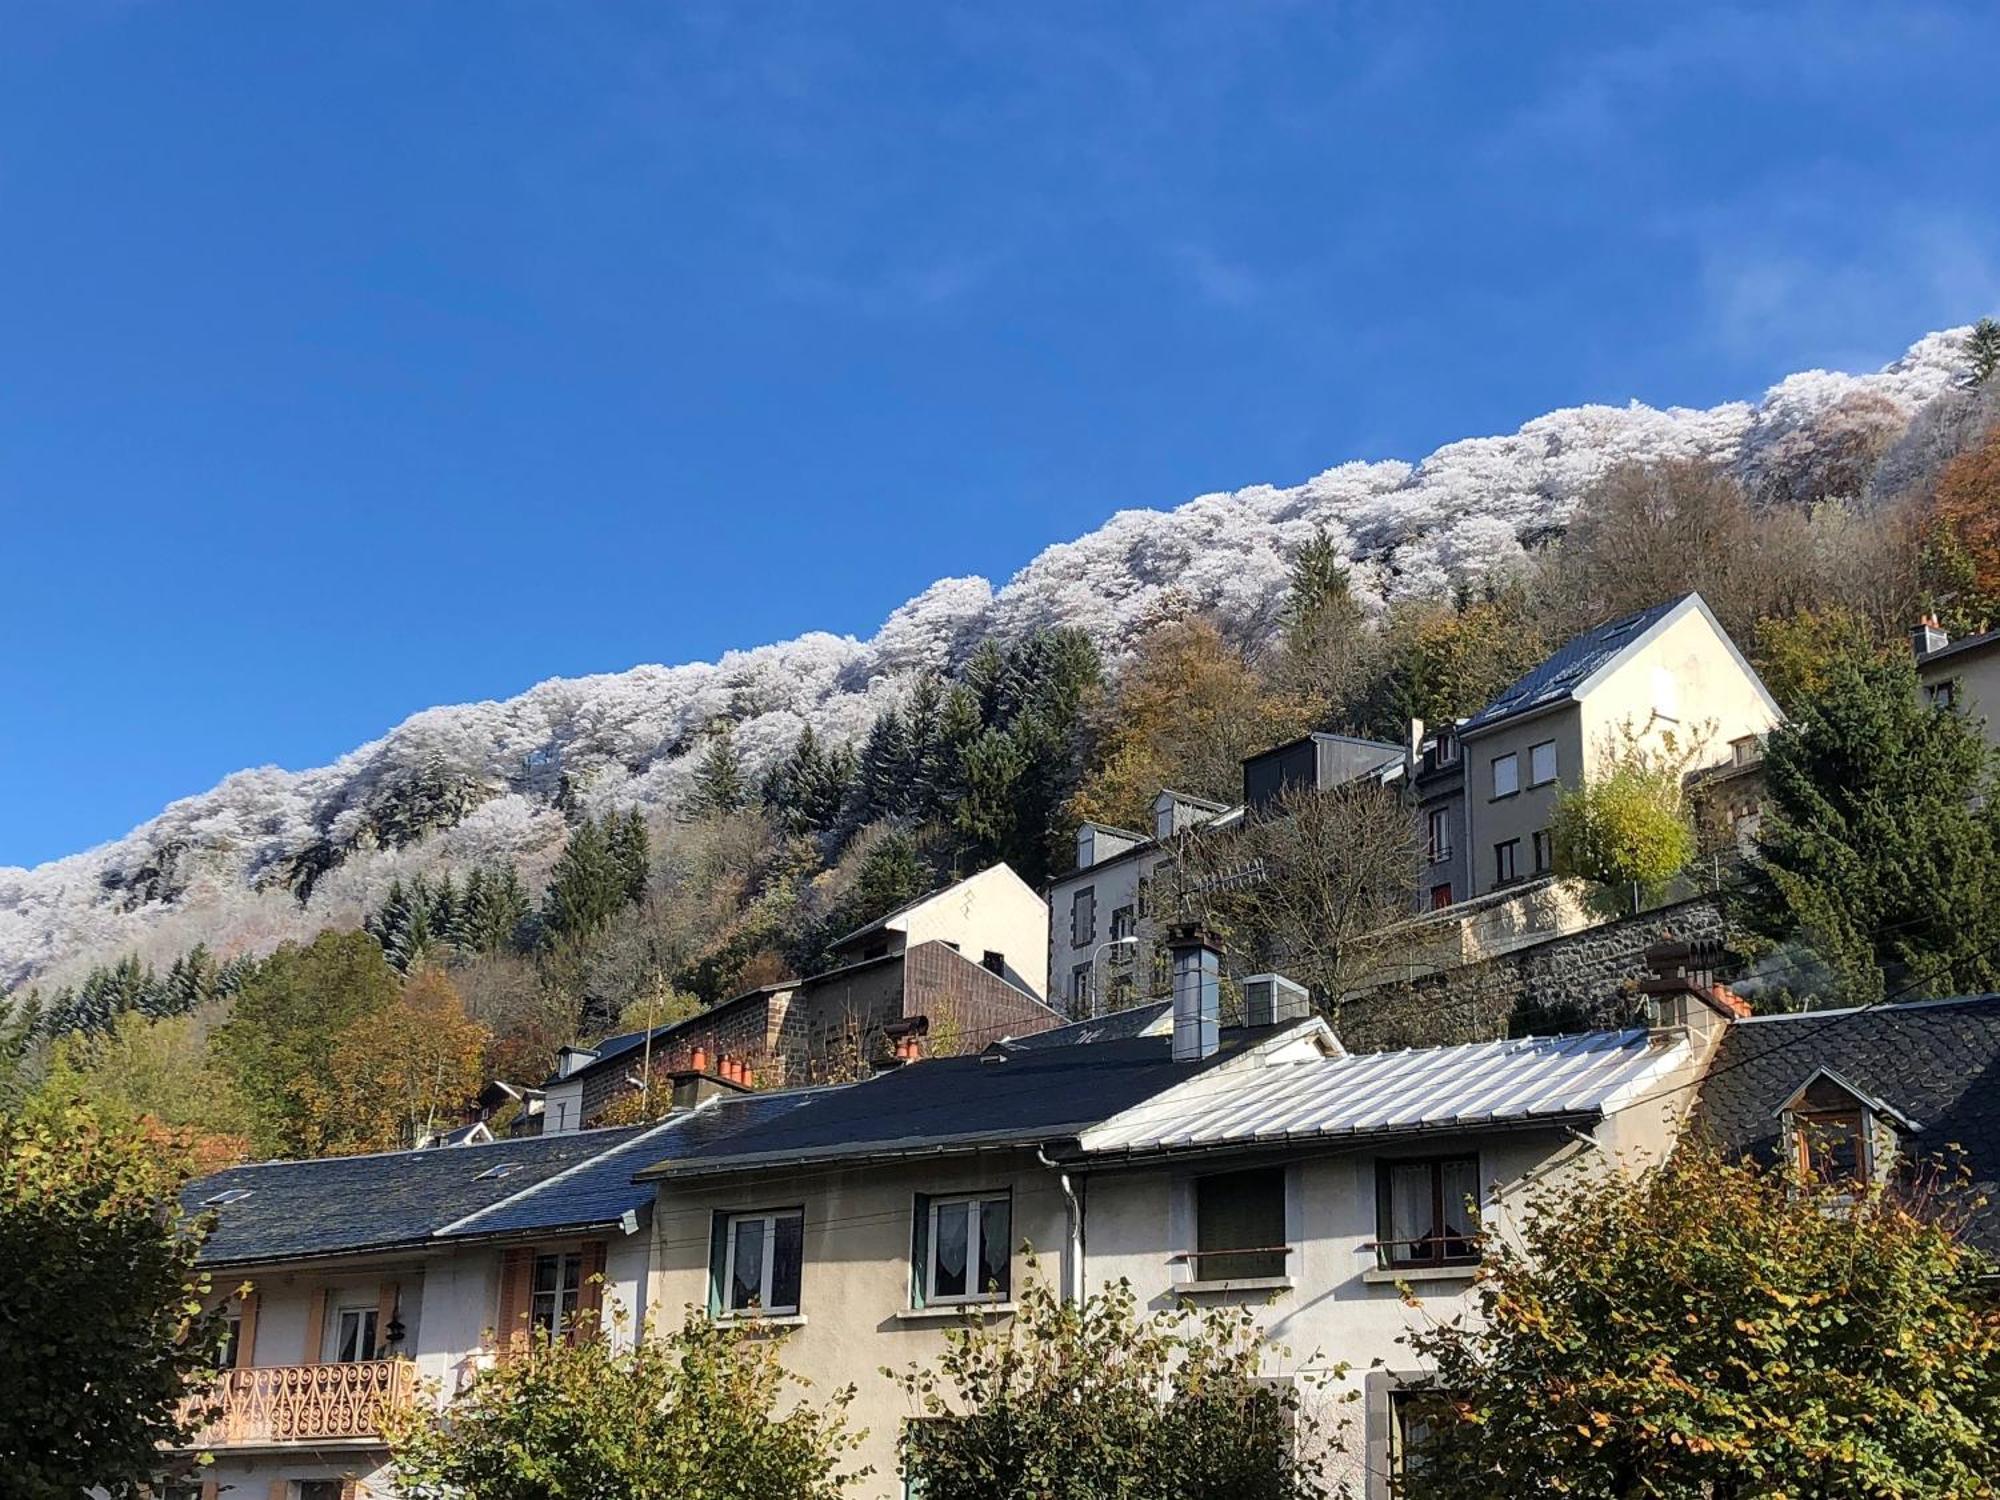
(497, 1143)
(591, 1160)
(1985, 997)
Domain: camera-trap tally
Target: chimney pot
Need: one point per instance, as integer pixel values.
(700, 1060)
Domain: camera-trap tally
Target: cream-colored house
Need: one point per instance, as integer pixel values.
(1962, 675)
(1258, 1165)
(1666, 673)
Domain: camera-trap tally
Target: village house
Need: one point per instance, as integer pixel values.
(355, 1284)
(1258, 1165)
(962, 964)
(1962, 675)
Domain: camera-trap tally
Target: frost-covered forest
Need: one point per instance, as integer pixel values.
(271, 855)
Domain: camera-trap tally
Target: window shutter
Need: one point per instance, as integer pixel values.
(920, 1249)
(517, 1269)
(281, 1489)
(315, 1328)
(350, 1489)
(211, 1489)
(718, 1264)
(590, 1295)
(246, 1331)
(385, 1313)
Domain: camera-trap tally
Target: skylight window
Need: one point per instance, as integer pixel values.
(227, 1196)
(497, 1171)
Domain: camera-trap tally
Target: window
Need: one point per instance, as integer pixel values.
(1833, 1146)
(765, 1252)
(557, 1285)
(226, 1197)
(320, 1489)
(1542, 763)
(1144, 900)
(1545, 851)
(1506, 861)
(1746, 750)
(1427, 1211)
(1123, 922)
(354, 1335)
(1083, 917)
(1447, 748)
(1415, 1417)
(1666, 694)
(965, 1250)
(1942, 695)
(1118, 993)
(1437, 834)
(1506, 774)
(994, 963)
(1441, 896)
(1079, 989)
(177, 1489)
(1240, 1225)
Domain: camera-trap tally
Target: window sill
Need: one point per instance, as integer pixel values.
(1502, 797)
(1235, 1284)
(1390, 1275)
(775, 1320)
(945, 1312)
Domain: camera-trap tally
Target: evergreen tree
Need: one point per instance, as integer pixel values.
(891, 876)
(718, 780)
(497, 915)
(808, 789)
(929, 767)
(192, 981)
(1881, 844)
(587, 887)
(883, 787)
(631, 848)
(1983, 347)
(448, 913)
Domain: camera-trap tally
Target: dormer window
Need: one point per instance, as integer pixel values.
(1839, 1135)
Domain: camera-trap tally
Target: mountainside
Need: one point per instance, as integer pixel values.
(483, 782)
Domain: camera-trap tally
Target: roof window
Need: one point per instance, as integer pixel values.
(498, 1170)
(227, 1196)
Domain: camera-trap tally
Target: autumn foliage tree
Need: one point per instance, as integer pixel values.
(1708, 1331)
(101, 1322)
(399, 1072)
(1967, 507)
(701, 1412)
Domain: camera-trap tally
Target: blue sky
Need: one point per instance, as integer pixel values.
(359, 358)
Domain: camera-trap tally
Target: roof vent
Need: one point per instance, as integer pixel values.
(1272, 999)
(498, 1170)
(227, 1196)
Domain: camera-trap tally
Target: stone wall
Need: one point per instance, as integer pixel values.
(1578, 981)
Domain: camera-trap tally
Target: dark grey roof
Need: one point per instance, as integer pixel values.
(1935, 1061)
(601, 1190)
(1012, 1094)
(340, 1204)
(1561, 673)
(1964, 645)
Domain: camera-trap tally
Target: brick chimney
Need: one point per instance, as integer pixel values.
(1683, 990)
(1197, 971)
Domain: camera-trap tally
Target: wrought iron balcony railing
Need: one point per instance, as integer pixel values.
(300, 1403)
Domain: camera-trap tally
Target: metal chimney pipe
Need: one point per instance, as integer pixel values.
(1197, 971)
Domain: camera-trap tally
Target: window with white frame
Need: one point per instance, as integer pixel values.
(1415, 1419)
(965, 1248)
(553, 1294)
(1506, 861)
(1437, 834)
(232, 1341)
(1542, 763)
(354, 1335)
(1545, 851)
(765, 1254)
(1240, 1225)
(1506, 774)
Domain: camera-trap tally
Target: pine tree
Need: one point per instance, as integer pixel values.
(718, 780)
(1882, 840)
(928, 771)
(1982, 345)
(891, 876)
(883, 787)
(587, 887)
(448, 913)
(631, 849)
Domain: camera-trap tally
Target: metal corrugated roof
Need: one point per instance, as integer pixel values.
(1479, 1083)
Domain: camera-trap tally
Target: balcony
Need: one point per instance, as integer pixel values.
(276, 1404)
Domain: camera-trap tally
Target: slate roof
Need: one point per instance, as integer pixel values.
(1019, 1093)
(341, 1205)
(1936, 1061)
(1474, 1086)
(1560, 674)
(1118, 1026)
